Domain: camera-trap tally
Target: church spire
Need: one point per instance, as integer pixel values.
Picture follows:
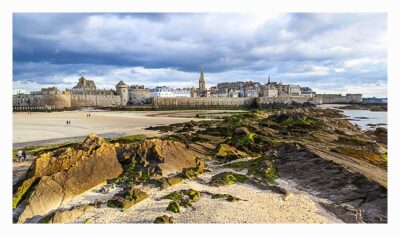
(202, 83)
(201, 74)
(269, 80)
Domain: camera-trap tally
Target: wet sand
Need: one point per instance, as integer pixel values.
(48, 128)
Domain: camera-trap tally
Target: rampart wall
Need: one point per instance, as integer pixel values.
(158, 102)
(89, 100)
(43, 100)
(265, 101)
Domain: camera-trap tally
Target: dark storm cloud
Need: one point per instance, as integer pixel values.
(302, 48)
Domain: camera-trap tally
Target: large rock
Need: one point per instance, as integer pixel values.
(67, 215)
(164, 156)
(65, 173)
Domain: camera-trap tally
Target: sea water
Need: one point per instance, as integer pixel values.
(374, 117)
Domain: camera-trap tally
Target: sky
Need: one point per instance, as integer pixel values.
(329, 52)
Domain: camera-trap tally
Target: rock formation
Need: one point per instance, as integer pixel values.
(164, 157)
(66, 216)
(65, 173)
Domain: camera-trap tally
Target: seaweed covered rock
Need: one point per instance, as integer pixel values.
(154, 160)
(174, 207)
(68, 215)
(164, 156)
(127, 198)
(242, 131)
(226, 152)
(184, 198)
(170, 181)
(365, 155)
(224, 196)
(227, 178)
(262, 167)
(164, 220)
(67, 172)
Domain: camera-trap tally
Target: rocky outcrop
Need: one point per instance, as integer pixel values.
(227, 152)
(161, 157)
(127, 198)
(227, 178)
(379, 134)
(66, 216)
(68, 172)
(329, 180)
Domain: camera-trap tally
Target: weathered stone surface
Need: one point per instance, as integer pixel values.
(380, 134)
(227, 178)
(127, 198)
(23, 190)
(170, 181)
(94, 162)
(164, 220)
(242, 131)
(165, 156)
(329, 180)
(174, 207)
(230, 153)
(66, 216)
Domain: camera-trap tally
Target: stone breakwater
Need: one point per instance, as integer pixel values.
(283, 166)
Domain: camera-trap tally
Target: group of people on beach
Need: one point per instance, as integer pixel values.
(22, 155)
(69, 122)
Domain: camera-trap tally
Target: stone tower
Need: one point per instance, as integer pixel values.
(122, 90)
(202, 83)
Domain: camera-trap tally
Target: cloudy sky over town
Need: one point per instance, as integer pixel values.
(331, 53)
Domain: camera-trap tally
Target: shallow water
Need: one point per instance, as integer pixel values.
(374, 117)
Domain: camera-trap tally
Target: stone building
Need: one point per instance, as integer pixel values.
(164, 91)
(138, 94)
(85, 84)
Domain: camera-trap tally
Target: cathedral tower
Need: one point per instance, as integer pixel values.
(202, 83)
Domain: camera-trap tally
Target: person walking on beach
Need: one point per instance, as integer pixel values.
(24, 154)
(19, 155)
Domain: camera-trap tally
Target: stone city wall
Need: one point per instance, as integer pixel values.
(333, 98)
(158, 102)
(88, 100)
(42, 100)
(264, 101)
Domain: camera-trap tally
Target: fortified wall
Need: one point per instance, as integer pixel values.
(43, 100)
(339, 98)
(265, 101)
(163, 102)
(94, 100)
(158, 102)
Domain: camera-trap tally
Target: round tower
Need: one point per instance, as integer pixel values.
(122, 90)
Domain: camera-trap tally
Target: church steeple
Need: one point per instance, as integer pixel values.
(202, 83)
(269, 80)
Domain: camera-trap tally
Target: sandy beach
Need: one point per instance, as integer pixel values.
(37, 127)
(258, 206)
